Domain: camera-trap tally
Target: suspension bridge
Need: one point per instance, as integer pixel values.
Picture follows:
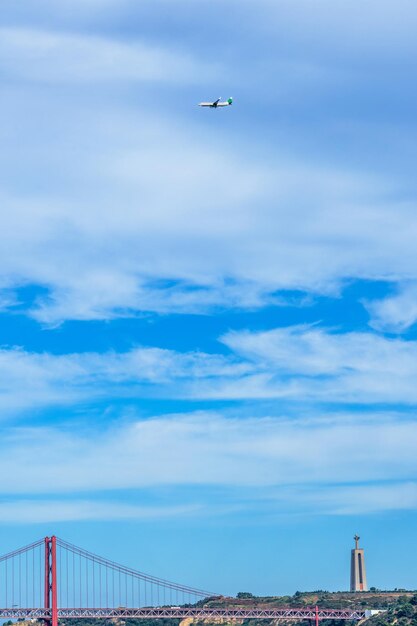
(53, 580)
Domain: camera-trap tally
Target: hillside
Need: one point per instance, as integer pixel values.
(402, 613)
(338, 600)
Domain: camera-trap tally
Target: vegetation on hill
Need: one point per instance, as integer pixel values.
(401, 613)
(373, 599)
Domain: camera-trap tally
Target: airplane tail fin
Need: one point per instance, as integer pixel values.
(230, 101)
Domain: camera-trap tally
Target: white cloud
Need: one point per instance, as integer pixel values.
(150, 213)
(301, 365)
(307, 363)
(42, 511)
(59, 57)
(29, 380)
(309, 350)
(208, 449)
(365, 499)
(395, 313)
(355, 499)
(340, 500)
(360, 498)
(376, 32)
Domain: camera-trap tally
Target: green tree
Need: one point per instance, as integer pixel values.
(405, 610)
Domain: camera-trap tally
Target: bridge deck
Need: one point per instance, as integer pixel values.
(284, 613)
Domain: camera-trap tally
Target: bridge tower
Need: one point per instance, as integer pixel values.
(51, 595)
(357, 568)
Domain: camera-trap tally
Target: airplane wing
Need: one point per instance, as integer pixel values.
(213, 105)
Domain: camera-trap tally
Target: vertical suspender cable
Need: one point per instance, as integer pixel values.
(66, 558)
(73, 579)
(85, 586)
(107, 586)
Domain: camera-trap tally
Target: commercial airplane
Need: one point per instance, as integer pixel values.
(216, 104)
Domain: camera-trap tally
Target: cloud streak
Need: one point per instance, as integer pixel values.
(54, 511)
(208, 449)
(57, 57)
(301, 365)
(296, 500)
(334, 466)
(312, 363)
(31, 380)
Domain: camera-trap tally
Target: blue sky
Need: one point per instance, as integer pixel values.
(208, 318)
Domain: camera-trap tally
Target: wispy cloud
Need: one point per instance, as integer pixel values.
(365, 499)
(112, 262)
(397, 312)
(59, 57)
(303, 365)
(312, 363)
(43, 380)
(221, 501)
(361, 498)
(51, 511)
(209, 449)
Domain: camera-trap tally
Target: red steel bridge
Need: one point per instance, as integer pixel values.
(52, 579)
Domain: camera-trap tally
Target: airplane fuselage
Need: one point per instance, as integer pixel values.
(216, 104)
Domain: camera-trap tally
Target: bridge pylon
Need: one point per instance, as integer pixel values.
(51, 594)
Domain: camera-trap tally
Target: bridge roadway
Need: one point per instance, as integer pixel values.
(282, 613)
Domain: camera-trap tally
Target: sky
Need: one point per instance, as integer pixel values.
(208, 318)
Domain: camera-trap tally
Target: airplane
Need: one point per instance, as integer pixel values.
(216, 104)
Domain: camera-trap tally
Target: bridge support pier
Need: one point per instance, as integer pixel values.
(316, 620)
(51, 595)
